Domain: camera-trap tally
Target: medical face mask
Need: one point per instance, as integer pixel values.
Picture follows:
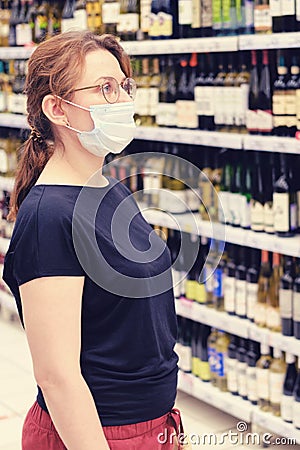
(114, 128)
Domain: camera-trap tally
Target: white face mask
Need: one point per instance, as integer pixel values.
(114, 128)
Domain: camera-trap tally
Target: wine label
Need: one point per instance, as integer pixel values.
(245, 212)
(297, 5)
(276, 386)
(263, 385)
(273, 321)
(296, 306)
(207, 93)
(196, 12)
(186, 114)
(223, 207)
(279, 103)
(206, 17)
(296, 414)
(170, 115)
(185, 12)
(165, 24)
(281, 211)
(218, 283)
(262, 18)
(242, 379)
(240, 297)
(194, 366)
(257, 216)
(249, 14)
(204, 371)
(209, 277)
(220, 109)
(229, 102)
(234, 205)
(265, 120)
(145, 15)
(286, 407)
(285, 303)
(252, 120)
(198, 95)
(260, 314)
(141, 102)
(23, 34)
(279, 121)
(251, 384)
(200, 292)
(229, 294)
(186, 358)
(189, 289)
(288, 8)
(291, 103)
(153, 100)
(269, 217)
(80, 19)
(275, 8)
(110, 12)
(251, 289)
(241, 104)
(154, 28)
(232, 380)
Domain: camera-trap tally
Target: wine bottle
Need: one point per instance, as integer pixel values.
(286, 297)
(208, 96)
(240, 16)
(262, 17)
(186, 346)
(240, 284)
(277, 375)
(4, 24)
(154, 84)
(263, 290)
(67, 17)
(229, 18)
(23, 29)
(54, 25)
(204, 369)
(296, 304)
(252, 357)
(185, 104)
(296, 402)
(224, 194)
(13, 21)
(272, 313)
(196, 333)
(291, 98)
(252, 283)
(229, 91)
(235, 192)
(286, 405)
(80, 15)
(110, 16)
(278, 99)
(229, 280)
(276, 14)
(219, 92)
(199, 285)
(196, 24)
(212, 355)
(242, 85)
(190, 281)
(249, 17)
(217, 17)
(185, 18)
(242, 369)
(166, 20)
(222, 344)
(257, 196)
(200, 92)
(145, 11)
(206, 18)
(245, 197)
(271, 177)
(288, 10)
(264, 111)
(216, 178)
(171, 112)
(218, 277)
(210, 266)
(252, 116)
(205, 186)
(263, 378)
(231, 364)
(284, 200)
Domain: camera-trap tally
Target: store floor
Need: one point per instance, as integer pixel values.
(18, 390)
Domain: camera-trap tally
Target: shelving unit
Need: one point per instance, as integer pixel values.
(237, 407)
(235, 325)
(193, 224)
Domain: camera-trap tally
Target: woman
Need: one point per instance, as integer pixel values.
(102, 352)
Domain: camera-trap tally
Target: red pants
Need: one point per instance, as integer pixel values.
(39, 433)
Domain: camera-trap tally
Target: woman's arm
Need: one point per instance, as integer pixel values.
(52, 318)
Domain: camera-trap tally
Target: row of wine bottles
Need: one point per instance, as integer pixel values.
(12, 81)
(26, 21)
(220, 92)
(248, 189)
(242, 367)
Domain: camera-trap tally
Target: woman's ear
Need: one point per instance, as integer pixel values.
(53, 110)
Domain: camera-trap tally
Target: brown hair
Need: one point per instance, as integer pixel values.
(49, 73)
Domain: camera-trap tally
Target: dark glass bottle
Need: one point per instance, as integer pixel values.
(241, 284)
(251, 119)
(286, 406)
(257, 195)
(232, 381)
(286, 296)
(252, 282)
(296, 403)
(264, 112)
(278, 99)
(252, 357)
(296, 303)
(292, 86)
(242, 368)
(229, 281)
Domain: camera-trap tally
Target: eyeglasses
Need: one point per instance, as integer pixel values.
(110, 88)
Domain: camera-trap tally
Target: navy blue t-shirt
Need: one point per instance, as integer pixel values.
(129, 325)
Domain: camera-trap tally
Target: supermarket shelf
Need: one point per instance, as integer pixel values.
(269, 41)
(16, 52)
(195, 137)
(234, 325)
(4, 244)
(13, 120)
(191, 223)
(234, 405)
(172, 46)
(271, 144)
(224, 401)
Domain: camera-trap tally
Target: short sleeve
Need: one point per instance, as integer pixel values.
(43, 240)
